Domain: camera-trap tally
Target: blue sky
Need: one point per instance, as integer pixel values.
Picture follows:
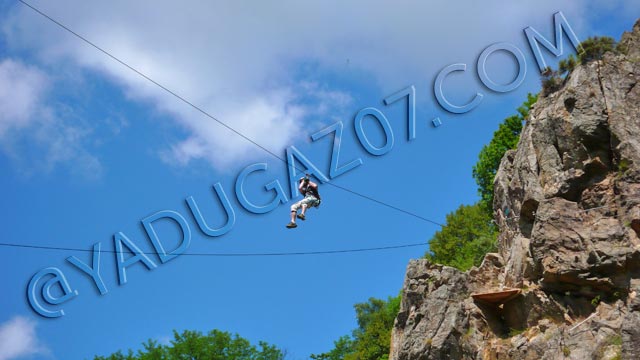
(88, 149)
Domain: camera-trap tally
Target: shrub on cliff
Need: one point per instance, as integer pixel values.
(591, 49)
(462, 243)
(595, 47)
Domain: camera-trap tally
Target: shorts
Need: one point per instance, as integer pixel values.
(310, 201)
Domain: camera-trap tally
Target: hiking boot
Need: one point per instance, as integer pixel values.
(301, 217)
(291, 225)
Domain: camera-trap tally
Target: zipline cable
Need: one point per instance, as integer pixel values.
(323, 252)
(42, 247)
(205, 113)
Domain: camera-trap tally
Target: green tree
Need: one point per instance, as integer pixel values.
(462, 243)
(372, 339)
(153, 351)
(505, 138)
(375, 322)
(342, 348)
(193, 345)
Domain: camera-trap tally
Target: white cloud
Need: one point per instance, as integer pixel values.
(35, 135)
(21, 87)
(242, 61)
(18, 339)
(274, 116)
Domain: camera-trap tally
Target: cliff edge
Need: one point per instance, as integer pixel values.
(567, 202)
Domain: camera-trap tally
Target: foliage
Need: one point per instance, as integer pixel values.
(469, 232)
(505, 138)
(551, 81)
(467, 236)
(611, 344)
(194, 345)
(594, 48)
(462, 243)
(623, 166)
(341, 349)
(372, 339)
(567, 65)
(616, 340)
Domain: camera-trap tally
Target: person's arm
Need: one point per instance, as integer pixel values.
(300, 186)
(313, 185)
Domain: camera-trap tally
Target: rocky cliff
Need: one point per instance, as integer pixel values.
(567, 202)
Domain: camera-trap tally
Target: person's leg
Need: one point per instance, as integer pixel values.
(294, 211)
(304, 209)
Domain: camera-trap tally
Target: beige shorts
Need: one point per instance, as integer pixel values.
(310, 201)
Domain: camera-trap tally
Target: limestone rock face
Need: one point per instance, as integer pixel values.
(567, 201)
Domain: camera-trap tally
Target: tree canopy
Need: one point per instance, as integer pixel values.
(193, 345)
(372, 339)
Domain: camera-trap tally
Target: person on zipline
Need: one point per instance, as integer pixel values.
(311, 198)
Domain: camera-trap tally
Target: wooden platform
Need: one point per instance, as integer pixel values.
(497, 297)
